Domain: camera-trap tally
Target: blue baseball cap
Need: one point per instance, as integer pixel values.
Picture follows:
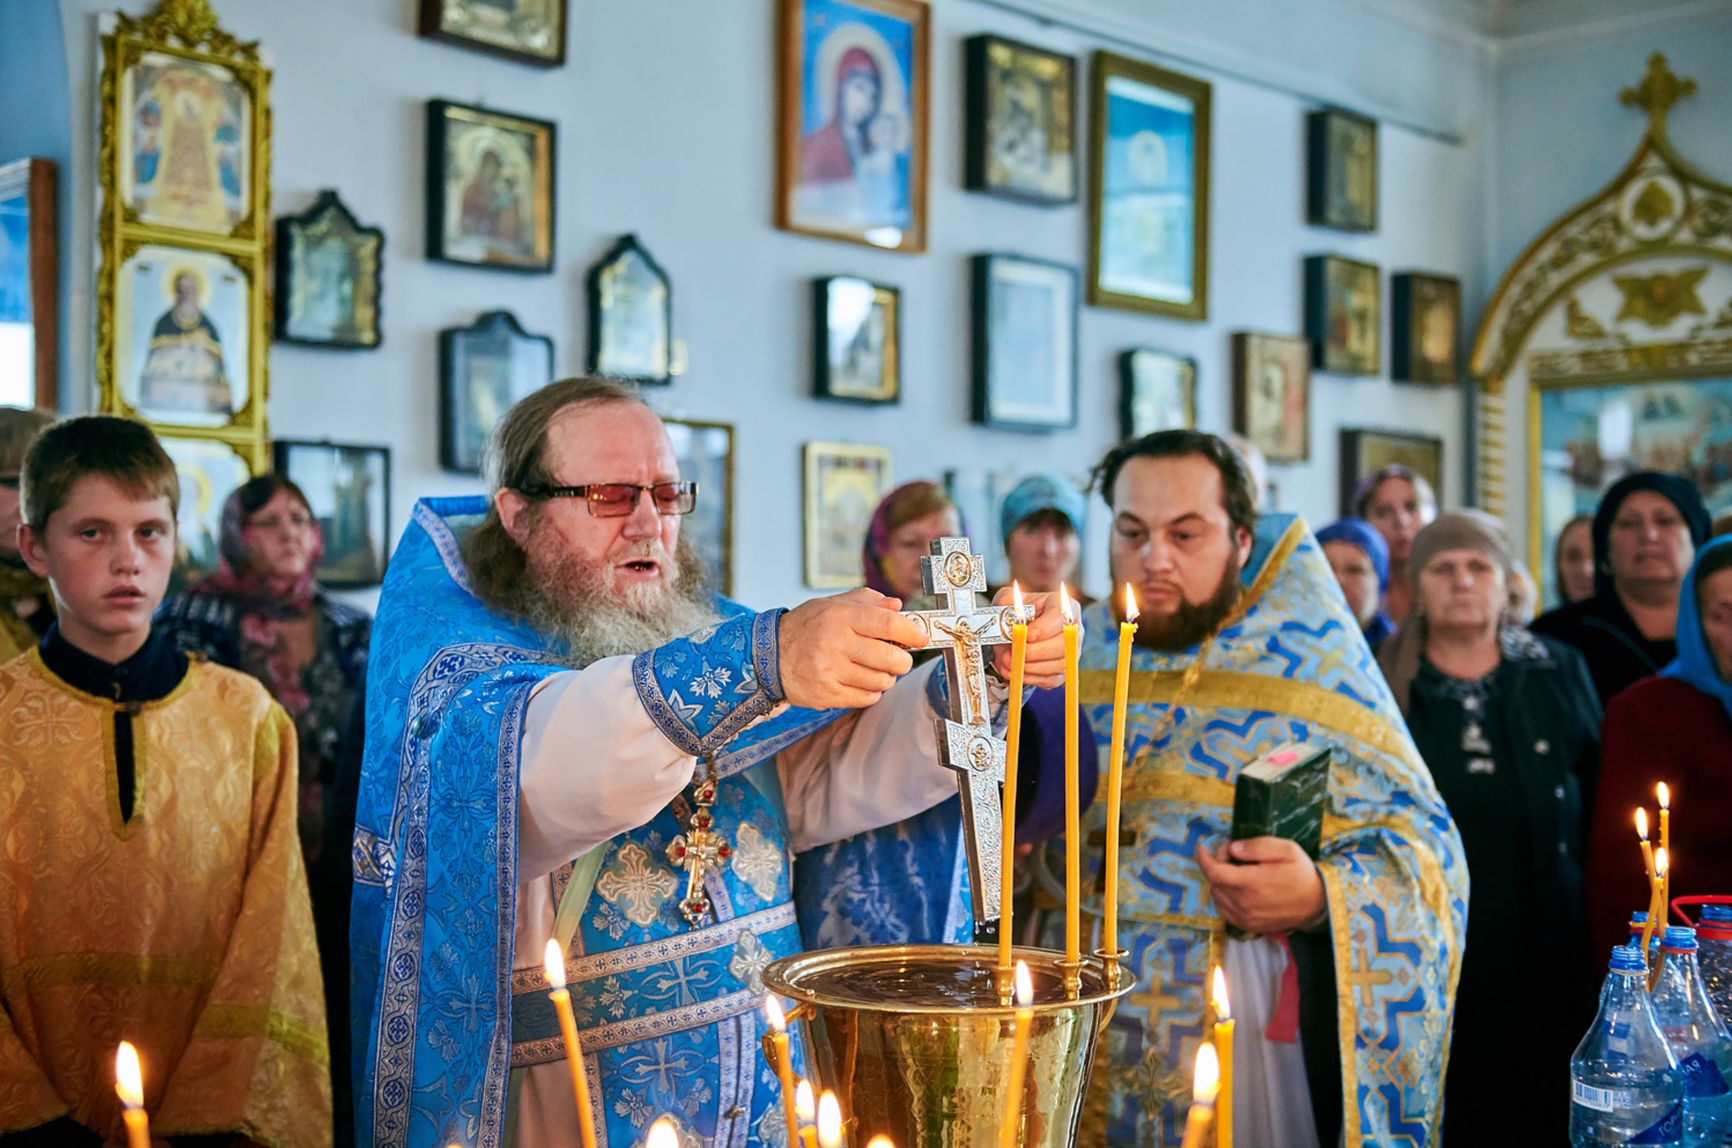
(1040, 492)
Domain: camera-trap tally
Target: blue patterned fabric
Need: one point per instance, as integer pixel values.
(903, 884)
(668, 1011)
(1292, 666)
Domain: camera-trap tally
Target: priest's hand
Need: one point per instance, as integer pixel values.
(846, 650)
(1043, 661)
(1274, 888)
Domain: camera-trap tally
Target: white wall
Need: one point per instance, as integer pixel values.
(665, 112)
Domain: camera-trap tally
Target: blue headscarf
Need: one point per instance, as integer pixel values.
(1360, 533)
(1695, 662)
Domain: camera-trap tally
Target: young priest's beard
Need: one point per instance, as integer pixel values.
(566, 595)
(1192, 621)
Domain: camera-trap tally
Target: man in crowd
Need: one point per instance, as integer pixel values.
(1243, 645)
(570, 737)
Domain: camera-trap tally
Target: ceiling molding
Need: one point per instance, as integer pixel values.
(1538, 25)
(1470, 23)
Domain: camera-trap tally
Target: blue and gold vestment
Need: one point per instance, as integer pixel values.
(1291, 665)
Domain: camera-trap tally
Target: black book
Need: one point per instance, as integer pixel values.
(1282, 794)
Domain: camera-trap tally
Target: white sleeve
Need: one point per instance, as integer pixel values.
(594, 766)
(870, 768)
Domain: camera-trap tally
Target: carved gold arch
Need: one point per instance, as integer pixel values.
(1631, 288)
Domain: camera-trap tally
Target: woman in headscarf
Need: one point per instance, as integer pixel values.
(1645, 536)
(1508, 725)
(1398, 502)
(1675, 728)
(263, 613)
(1573, 561)
(1359, 557)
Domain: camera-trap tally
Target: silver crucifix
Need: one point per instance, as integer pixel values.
(963, 628)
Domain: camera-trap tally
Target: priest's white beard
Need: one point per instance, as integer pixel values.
(567, 596)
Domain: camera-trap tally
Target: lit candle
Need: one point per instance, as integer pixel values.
(784, 1066)
(662, 1134)
(1116, 774)
(880, 1142)
(807, 1110)
(1011, 1125)
(554, 963)
(829, 1121)
(1647, 849)
(1661, 860)
(1072, 796)
(1203, 1087)
(1012, 739)
(129, 1086)
(1664, 793)
(1224, 1053)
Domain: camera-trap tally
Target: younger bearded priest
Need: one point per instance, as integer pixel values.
(151, 889)
(559, 713)
(1346, 985)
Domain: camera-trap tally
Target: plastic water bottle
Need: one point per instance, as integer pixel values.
(1715, 937)
(1625, 1085)
(1698, 1040)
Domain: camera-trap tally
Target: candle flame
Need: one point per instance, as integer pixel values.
(554, 964)
(804, 1107)
(1664, 794)
(773, 1012)
(1064, 603)
(880, 1142)
(829, 1121)
(1016, 601)
(128, 1079)
(1207, 1082)
(1223, 1011)
(1641, 823)
(1024, 986)
(1131, 611)
(1660, 862)
(662, 1134)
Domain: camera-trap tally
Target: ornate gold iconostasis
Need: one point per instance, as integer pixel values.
(1607, 347)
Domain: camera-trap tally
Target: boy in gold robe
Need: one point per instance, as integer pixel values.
(151, 886)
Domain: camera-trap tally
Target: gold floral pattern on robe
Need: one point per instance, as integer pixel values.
(186, 929)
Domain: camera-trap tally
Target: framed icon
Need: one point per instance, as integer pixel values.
(1344, 314)
(705, 451)
(1272, 394)
(329, 278)
(209, 471)
(856, 340)
(1157, 391)
(1426, 328)
(1341, 162)
(29, 284)
(483, 369)
(1149, 208)
(631, 316)
(844, 484)
(1365, 452)
(1021, 121)
(349, 489)
(1025, 343)
(853, 156)
(182, 337)
(528, 31)
(490, 178)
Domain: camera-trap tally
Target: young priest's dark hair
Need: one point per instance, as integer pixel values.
(120, 450)
(1237, 494)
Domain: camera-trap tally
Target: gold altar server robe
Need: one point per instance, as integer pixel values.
(186, 929)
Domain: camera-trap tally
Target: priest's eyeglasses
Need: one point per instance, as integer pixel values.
(618, 499)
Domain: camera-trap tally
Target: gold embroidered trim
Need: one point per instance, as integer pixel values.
(110, 970)
(243, 1022)
(1168, 785)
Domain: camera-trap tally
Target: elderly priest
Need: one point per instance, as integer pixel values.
(561, 720)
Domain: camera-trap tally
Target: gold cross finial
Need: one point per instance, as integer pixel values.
(1658, 91)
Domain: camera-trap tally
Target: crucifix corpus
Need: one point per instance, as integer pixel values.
(963, 628)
